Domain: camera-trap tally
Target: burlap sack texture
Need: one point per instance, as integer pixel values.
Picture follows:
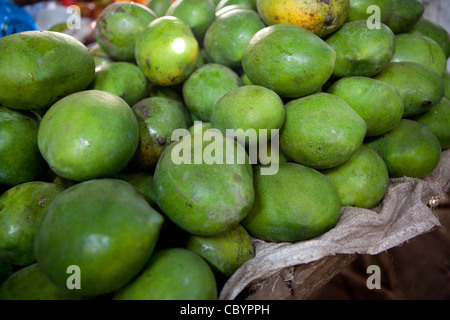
(405, 212)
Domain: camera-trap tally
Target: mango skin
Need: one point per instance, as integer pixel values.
(142, 181)
(410, 149)
(20, 159)
(379, 104)
(321, 131)
(118, 26)
(426, 51)
(197, 14)
(361, 51)
(124, 79)
(419, 86)
(157, 118)
(225, 252)
(105, 227)
(87, 135)
(320, 17)
(226, 37)
(249, 108)
(437, 119)
(159, 7)
(37, 68)
(433, 31)
(29, 283)
(363, 180)
(204, 199)
(403, 15)
(289, 60)
(358, 9)
(166, 51)
(297, 203)
(206, 85)
(172, 274)
(446, 79)
(21, 210)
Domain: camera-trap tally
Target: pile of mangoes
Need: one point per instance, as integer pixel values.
(119, 178)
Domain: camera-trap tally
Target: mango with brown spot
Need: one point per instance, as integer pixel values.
(321, 17)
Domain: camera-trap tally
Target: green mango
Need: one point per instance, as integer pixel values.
(409, 150)
(159, 7)
(157, 117)
(433, 31)
(124, 79)
(29, 283)
(421, 49)
(37, 68)
(206, 85)
(419, 86)
(197, 14)
(361, 51)
(404, 14)
(358, 9)
(100, 56)
(20, 159)
(118, 26)
(167, 51)
(225, 252)
(297, 203)
(22, 208)
(437, 119)
(321, 131)
(204, 185)
(142, 181)
(363, 180)
(249, 4)
(288, 59)
(172, 274)
(89, 134)
(228, 35)
(446, 79)
(105, 227)
(249, 108)
(378, 103)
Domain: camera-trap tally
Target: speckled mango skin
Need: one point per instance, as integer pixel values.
(37, 68)
(21, 209)
(118, 26)
(157, 117)
(321, 17)
(410, 149)
(419, 86)
(288, 59)
(225, 252)
(426, 51)
(203, 199)
(167, 51)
